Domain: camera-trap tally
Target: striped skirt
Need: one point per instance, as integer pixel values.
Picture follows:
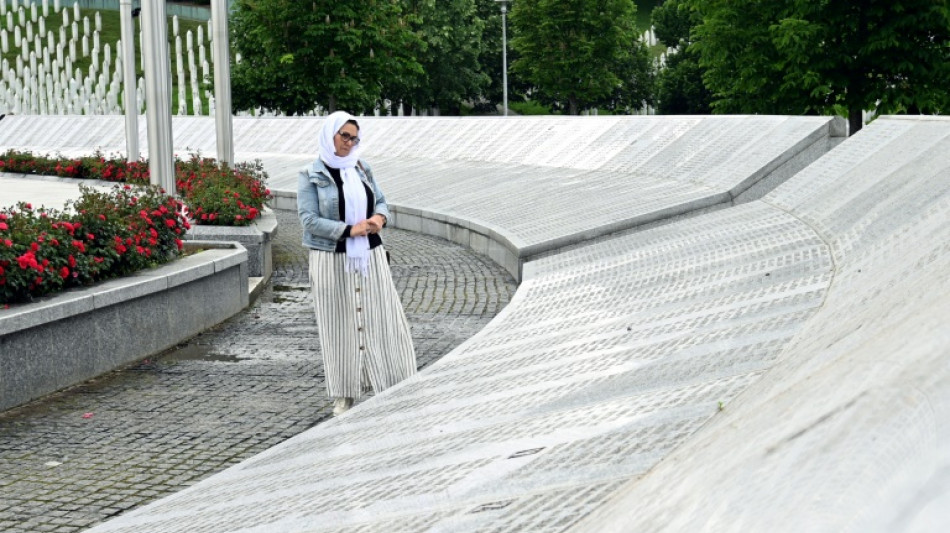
(363, 330)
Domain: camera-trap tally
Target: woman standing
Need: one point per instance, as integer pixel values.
(363, 331)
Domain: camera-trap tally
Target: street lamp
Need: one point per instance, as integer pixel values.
(504, 53)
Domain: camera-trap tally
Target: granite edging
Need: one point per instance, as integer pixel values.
(65, 339)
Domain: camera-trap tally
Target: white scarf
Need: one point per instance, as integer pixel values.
(357, 248)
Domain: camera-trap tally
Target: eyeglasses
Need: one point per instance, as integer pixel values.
(347, 138)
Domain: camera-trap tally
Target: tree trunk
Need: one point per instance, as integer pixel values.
(572, 106)
(855, 119)
(331, 105)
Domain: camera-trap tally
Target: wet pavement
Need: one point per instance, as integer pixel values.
(78, 457)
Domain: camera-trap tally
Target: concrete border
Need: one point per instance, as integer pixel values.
(63, 340)
(257, 238)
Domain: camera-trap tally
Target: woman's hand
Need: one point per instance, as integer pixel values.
(377, 222)
(369, 226)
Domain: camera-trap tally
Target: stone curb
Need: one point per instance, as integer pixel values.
(68, 338)
(257, 238)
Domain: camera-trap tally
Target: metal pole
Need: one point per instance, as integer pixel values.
(222, 81)
(128, 76)
(504, 54)
(158, 90)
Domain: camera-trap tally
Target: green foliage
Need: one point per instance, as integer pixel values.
(101, 235)
(297, 55)
(797, 56)
(679, 88)
(673, 21)
(529, 108)
(451, 72)
(220, 195)
(581, 53)
(216, 193)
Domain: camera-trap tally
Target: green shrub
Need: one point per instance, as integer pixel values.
(101, 235)
(214, 193)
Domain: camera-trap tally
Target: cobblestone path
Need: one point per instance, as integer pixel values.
(79, 457)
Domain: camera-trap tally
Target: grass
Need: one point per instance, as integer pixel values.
(110, 34)
(644, 11)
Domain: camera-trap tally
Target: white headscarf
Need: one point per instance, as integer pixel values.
(357, 248)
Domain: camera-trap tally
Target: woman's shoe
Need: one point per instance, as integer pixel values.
(341, 405)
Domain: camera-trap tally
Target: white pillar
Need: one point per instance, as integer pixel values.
(128, 78)
(158, 89)
(222, 80)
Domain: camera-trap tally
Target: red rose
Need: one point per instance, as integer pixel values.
(170, 223)
(64, 272)
(3, 225)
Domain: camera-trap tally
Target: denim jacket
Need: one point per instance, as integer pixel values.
(318, 205)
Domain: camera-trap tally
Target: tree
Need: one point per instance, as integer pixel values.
(807, 56)
(579, 53)
(679, 88)
(298, 54)
(452, 32)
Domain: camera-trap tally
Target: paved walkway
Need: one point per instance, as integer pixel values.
(76, 458)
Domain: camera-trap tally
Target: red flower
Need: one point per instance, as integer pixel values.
(80, 245)
(8, 242)
(102, 217)
(90, 237)
(64, 272)
(170, 223)
(72, 261)
(27, 260)
(34, 246)
(178, 243)
(3, 225)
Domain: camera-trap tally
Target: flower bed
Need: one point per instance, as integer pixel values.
(101, 235)
(214, 193)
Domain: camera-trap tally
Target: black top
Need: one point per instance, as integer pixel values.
(374, 238)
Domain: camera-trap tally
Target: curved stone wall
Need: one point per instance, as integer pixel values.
(851, 430)
(778, 365)
(511, 188)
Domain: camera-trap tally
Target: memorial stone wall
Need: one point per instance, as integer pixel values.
(780, 365)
